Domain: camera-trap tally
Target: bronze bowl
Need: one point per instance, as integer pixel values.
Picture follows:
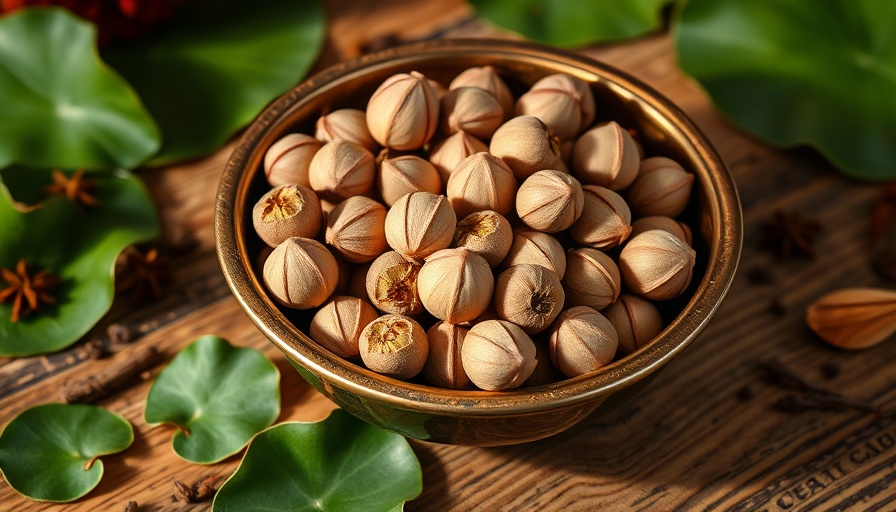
(478, 417)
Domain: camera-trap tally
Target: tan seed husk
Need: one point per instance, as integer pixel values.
(301, 273)
(606, 155)
(337, 326)
(403, 112)
(538, 249)
(481, 182)
(527, 146)
(420, 224)
(565, 104)
(341, 169)
(498, 355)
(444, 367)
(663, 187)
(530, 296)
(592, 279)
(582, 341)
(448, 154)
(472, 110)
(605, 221)
(357, 229)
(455, 285)
(637, 321)
(349, 124)
(549, 201)
(854, 318)
(487, 78)
(404, 175)
(656, 265)
(287, 161)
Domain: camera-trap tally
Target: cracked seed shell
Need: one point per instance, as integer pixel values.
(486, 233)
(395, 346)
(391, 283)
(286, 211)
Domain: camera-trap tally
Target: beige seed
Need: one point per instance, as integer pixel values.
(530, 296)
(538, 249)
(605, 221)
(448, 154)
(486, 233)
(444, 367)
(606, 155)
(582, 341)
(592, 279)
(487, 78)
(482, 182)
(404, 175)
(420, 224)
(337, 326)
(357, 229)
(395, 346)
(656, 265)
(527, 146)
(301, 273)
(637, 321)
(472, 110)
(347, 123)
(565, 104)
(391, 284)
(286, 162)
(341, 169)
(403, 112)
(549, 201)
(497, 355)
(455, 285)
(663, 187)
(285, 212)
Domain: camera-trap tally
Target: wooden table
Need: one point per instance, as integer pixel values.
(694, 440)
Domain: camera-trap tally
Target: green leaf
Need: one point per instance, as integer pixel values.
(218, 395)
(49, 452)
(797, 72)
(217, 65)
(80, 245)
(60, 105)
(573, 22)
(338, 464)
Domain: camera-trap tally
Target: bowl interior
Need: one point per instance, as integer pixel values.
(714, 214)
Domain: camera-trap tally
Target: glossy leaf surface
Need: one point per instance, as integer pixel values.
(338, 464)
(801, 71)
(49, 452)
(573, 22)
(218, 396)
(216, 65)
(60, 105)
(78, 244)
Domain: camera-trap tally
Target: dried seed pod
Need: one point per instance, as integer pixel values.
(285, 212)
(404, 175)
(605, 221)
(455, 285)
(530, 296)
(606, 155)
(582, 341)
(287, 160)
(341, 169)
(565, 104)
(592, 279)
(357, 229)
(403, 112)
(668, 224)
(497, 355)
(481, 182)
(444, 367)
(395, 346)
(854, 318)
(549, 201)
(392, 284)
(472, 110)
(348, 124)
(486, 78)
(486, 233)
(656, 265)
(527, 146)
(420, 224)
(301, 273)
(663, 187)
(544, 373)
(337, 326)
(538, 249)
(637, 321)
(448, 154)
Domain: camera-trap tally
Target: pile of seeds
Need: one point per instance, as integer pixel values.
(502, 224)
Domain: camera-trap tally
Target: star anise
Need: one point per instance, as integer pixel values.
(77, 188)
(27, 291)
(791, 233)
(142, 272)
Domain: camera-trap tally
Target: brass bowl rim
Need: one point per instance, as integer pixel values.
(721, 263)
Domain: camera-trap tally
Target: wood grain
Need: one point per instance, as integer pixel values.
(690, 441)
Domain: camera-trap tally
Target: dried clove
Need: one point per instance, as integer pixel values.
(132, 506)
(205, 488)
(118, 334)
(791, 233)
(95, 350)
(184, 492)
(114, 376)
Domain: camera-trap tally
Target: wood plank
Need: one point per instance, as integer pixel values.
(688, 442)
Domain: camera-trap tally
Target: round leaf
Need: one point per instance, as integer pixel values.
(796, 72)
(573, 22)
(79, 245)
(338, 464)
(218, 395)
(217, 65)
(60, 105)
(49, 452)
